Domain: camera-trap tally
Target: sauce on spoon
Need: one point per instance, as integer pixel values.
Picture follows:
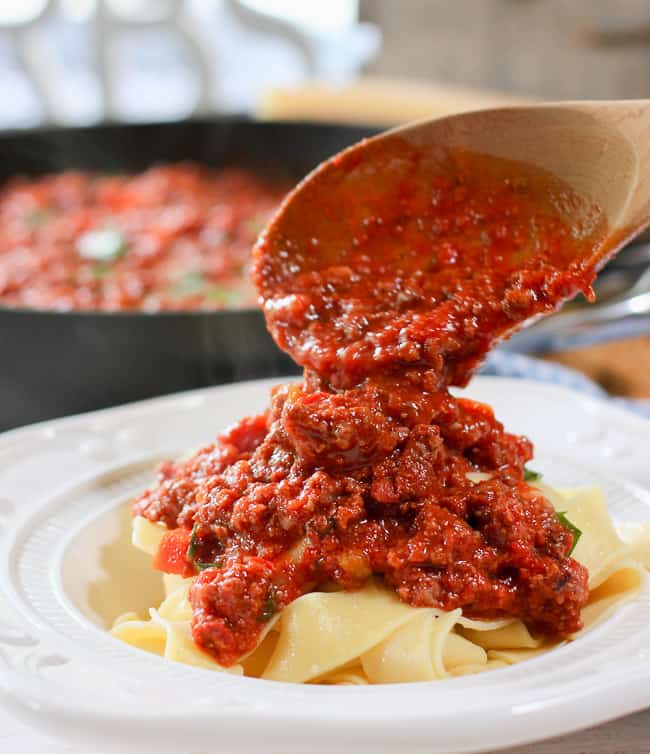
(388, 275)
(394, 257)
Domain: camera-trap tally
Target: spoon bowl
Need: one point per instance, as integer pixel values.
(423, 246)
(600, 149)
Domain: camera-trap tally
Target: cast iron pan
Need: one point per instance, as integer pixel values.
(58, 363)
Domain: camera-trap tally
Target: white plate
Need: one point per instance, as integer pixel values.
(60, 485)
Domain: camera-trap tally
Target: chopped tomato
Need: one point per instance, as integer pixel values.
(172, 553)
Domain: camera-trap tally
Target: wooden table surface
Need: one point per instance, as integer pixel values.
(621, 367)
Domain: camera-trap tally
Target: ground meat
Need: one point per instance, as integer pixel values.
(388, 288)
(317, 500)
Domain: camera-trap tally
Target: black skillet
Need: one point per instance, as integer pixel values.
(58, 363)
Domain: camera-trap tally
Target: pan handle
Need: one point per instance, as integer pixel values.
(625, 318)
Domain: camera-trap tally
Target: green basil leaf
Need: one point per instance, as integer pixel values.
(100, 270)
(200, 565)
(570, 526)
(191, 550)
(222, 295)
(37, 218)
(531, 476)
(329, 528)
(269, 609)
(189, 284)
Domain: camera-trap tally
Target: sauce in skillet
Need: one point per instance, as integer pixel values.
(388, 286)
(172, 237)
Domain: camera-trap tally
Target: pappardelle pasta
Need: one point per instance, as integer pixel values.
(369, 636)
(370, 526)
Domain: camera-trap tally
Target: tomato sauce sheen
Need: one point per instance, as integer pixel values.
(388, 285)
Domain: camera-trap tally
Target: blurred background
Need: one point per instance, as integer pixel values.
(367, 64)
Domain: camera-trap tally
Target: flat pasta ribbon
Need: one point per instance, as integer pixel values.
(370, 636)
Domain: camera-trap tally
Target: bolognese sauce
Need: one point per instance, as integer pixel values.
(389, 293)
(173, 237)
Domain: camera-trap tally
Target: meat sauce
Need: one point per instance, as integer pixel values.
(175, 237)
(388, 293)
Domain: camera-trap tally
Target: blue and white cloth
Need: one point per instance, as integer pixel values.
(507, 364)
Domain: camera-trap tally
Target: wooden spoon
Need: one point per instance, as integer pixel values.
(356, 275)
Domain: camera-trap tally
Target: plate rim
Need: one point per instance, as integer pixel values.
(148, 404)
(417, 726)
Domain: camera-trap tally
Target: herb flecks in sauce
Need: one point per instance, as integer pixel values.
(269, 610)
(389, 288)
(531, 476)
(149, 228)
(189, 284)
